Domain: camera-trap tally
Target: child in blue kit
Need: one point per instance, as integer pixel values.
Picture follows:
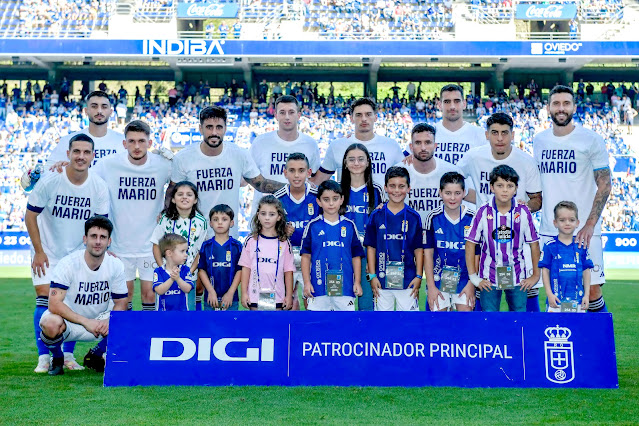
(565, 266)
(299, 199)
(331, 255)
(218, 265)
(172, 281)
(394, 248)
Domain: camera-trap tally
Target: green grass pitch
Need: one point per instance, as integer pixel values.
(79, 398)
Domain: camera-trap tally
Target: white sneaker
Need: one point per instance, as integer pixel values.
(70, 363)
(43, 364)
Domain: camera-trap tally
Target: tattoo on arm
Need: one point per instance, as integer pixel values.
(604, 186)
(53, 292)
(535, 202)
(264, 185)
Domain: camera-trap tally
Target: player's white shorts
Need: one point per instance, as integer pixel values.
(400, 300)
(450, 299)
(74, 332)
(144, 265)
(331, 303)
(48, 272)
(595, 250)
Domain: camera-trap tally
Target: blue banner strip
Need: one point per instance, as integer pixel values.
(361, 349)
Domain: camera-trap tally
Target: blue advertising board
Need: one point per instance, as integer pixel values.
(620, 242)
(361, 349)
(314, 48)
(15, 240)
(207, 10)
(546, 12)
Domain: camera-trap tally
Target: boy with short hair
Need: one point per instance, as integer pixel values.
(444, 256)
(171, 281)
(394, 245)
(564, 265)
(218, 266)
(299, 199)
(503, 227)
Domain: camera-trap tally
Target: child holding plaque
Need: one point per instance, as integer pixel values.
(331, 255)
(394, 247)
(267, 260)
(564, 265)
(444, 257)
(503, 227)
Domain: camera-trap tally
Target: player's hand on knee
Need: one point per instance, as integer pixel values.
(59, 166)
(103, 328)
(308, 290)
(92, 327)
(40, 264)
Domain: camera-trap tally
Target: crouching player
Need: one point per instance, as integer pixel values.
(84, 286)
(444, 254)
(331, 255)
(299, 199)
(394, 244)
(565, 266)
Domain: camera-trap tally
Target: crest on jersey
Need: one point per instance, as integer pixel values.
(155, 277)
(517, 217)
(466, 230)
(228, 255)
(560, 363)
(311, 209)
(343, 232)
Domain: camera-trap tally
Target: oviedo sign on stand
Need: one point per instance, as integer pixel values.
(361, 349)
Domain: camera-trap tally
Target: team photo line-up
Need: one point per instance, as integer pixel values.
(455, 211)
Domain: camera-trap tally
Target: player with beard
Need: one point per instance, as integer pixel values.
(574, 166)
(455, 136)
(426, 171)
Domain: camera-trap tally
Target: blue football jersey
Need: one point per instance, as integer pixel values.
(357, 207)
(447, 240)
(220, 263)
(394, 236)
(332, 246)
(566, 264)
(174, 299)
(300, 212)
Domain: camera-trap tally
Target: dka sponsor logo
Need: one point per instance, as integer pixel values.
(554, 48)
(202, 347)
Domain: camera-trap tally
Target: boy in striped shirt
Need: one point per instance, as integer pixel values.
(503, 227)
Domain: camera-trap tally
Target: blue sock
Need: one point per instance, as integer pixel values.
(100, 348)
(42, 303)
(54, 345)
(477, 302)
(68, 347)
(532, 304)
(597, 306)
(198, 302)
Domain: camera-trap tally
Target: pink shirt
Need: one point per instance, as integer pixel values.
(273, 255)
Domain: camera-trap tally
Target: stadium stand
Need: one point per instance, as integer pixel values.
(154, 10)
(49, 18)
(28, 133)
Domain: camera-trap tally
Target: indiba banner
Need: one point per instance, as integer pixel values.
(361, 349)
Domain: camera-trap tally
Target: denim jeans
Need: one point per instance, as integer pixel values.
(516, 299)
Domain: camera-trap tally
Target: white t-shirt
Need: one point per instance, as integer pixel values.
(107, 145)
(88, 291)
(63, 208)
(270, 153)
(566, 165)
(451, 146)
(217, 178)
(136, 194)
(479, 162)
(424, 188)
(384, 152)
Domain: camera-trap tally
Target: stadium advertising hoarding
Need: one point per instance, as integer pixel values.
(316, 48)
(361, 349)
(207, 10)
(546, 12)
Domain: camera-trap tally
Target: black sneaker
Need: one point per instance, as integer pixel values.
(57, 366)
(94, 362)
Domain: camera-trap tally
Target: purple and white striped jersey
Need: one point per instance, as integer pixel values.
(502, 238)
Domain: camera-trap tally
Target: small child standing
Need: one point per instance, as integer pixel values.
(564, 266)
(394, 244)
(171, 281)
(267, 260)
(218, 267)
(331, 255)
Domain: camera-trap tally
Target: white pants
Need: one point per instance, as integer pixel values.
(400, 300)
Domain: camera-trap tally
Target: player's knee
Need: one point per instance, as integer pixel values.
(595, 292)
(52, 325)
